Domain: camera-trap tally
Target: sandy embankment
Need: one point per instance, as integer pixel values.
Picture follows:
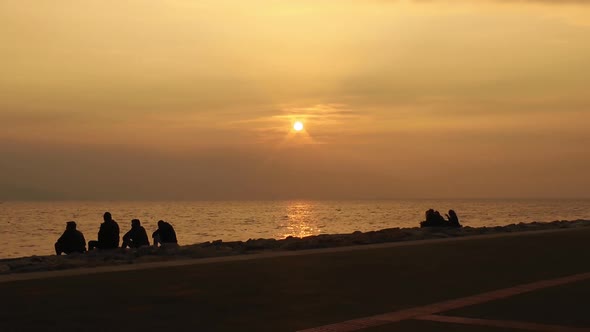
(219, 248)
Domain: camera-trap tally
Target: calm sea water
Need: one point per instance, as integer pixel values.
(31, 228)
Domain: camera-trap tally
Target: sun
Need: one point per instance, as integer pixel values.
(298, 126)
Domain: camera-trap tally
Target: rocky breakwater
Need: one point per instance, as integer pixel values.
(220, 248)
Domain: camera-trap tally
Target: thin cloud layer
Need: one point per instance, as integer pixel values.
(179, 100)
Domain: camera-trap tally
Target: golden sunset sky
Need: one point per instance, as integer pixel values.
(179, 99)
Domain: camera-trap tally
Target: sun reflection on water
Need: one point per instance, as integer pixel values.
(299, 221)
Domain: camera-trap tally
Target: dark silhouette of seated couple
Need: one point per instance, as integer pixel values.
(72, 240)
(434, 219)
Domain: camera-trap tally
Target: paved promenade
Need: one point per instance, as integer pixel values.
(533, 281)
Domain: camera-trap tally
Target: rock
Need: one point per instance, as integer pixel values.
(219, 248)
(260, 244)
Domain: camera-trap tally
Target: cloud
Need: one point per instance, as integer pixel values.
(408, 165)
(552, 2)
(324, 123)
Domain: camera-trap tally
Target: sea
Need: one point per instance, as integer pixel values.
(31, 228)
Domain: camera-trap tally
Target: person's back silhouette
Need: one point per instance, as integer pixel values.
(108, 235)
(136, 237)
(433, 219)
(165, 234)
(453, 219)
(439, 220)
(72, 240)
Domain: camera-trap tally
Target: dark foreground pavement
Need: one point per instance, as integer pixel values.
(300, 292)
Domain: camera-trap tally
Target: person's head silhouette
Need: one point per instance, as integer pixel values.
(135, 223)
(107, 216)
(71, 225)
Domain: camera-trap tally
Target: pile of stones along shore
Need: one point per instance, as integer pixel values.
(220, 248)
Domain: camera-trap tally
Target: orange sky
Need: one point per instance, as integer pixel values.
(181, 99)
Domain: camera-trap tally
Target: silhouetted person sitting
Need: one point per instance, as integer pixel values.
(440, 220)
(453, 219)
(136, 237)
(433, 219)
(165, 234)
(108, 235)
(72, 240)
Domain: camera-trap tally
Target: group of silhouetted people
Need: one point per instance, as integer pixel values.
(435, 219)
(72, 240)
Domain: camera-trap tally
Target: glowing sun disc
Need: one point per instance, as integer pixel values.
(298, 126)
